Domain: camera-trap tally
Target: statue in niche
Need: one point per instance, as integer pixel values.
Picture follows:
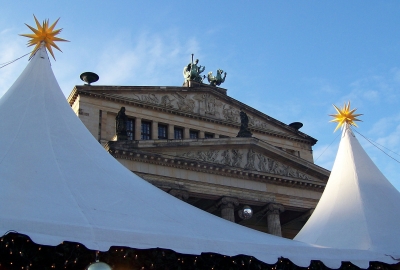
(244, 125)
(192, 71)
(218, 79)
(120, 125)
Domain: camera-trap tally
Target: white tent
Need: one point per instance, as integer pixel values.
(359, 209)
(58, 184)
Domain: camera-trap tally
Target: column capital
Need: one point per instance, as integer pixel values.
(227, 202)
(274, 208)
(182, 195)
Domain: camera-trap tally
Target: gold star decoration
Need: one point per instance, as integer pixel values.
(44, 33)
(345, 116)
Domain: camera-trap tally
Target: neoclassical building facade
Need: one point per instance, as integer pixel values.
(184, 141)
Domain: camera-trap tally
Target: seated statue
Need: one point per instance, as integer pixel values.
(244, 125)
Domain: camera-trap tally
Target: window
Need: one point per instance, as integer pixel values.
(162, 132)
(178, 133)
(208, 135)
(145, 134)
(193, 134)
(223, 136)
(130, 129)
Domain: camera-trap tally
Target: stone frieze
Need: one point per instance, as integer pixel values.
(246, 159)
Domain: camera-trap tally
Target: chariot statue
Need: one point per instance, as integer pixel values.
(218, 79)
(192, 72)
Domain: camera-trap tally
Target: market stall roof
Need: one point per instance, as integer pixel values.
(359, 209)
(58, 184)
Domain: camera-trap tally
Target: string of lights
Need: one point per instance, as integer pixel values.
(18, 251)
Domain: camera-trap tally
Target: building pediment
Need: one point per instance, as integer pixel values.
(239, 156)
(201, 101)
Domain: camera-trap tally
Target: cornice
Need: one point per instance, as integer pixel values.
(212, 168)
(221, 144)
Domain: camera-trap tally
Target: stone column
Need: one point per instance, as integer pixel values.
(138, 128)
(171, 134)
(201, 134)
(227, 207)
(216, 135)
(182, 195)
(273, 211)
(186, 134)
(154, 130)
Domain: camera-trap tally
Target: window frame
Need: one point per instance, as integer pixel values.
(145, 133)
(176, 129)
(165, 131)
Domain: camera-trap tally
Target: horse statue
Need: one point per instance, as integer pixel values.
(218, 79)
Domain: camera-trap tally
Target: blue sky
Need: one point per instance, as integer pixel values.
(289, 59)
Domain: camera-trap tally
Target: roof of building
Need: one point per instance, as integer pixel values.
(59, 184)
(151, 97)
(359, 209)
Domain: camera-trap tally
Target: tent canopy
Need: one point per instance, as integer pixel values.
(58, 184)
(359, 209)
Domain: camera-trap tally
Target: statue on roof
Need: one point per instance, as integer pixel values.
(218, 79)
(192, 72)
(120, 125)
(244, 125)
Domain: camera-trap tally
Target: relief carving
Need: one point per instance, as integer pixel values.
(226, 157)
(304, 176)
(255, 161)
(250, 160)
(210, 103)
(292, 172)
(236, 158)
(263, 163)
(230, 113)
(209, 156)
(185, 103)
(149, 98)
(253, 122)
(166, 101)
(277, 168)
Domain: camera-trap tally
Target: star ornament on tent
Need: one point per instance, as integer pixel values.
(345, 116)
(44, 34)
